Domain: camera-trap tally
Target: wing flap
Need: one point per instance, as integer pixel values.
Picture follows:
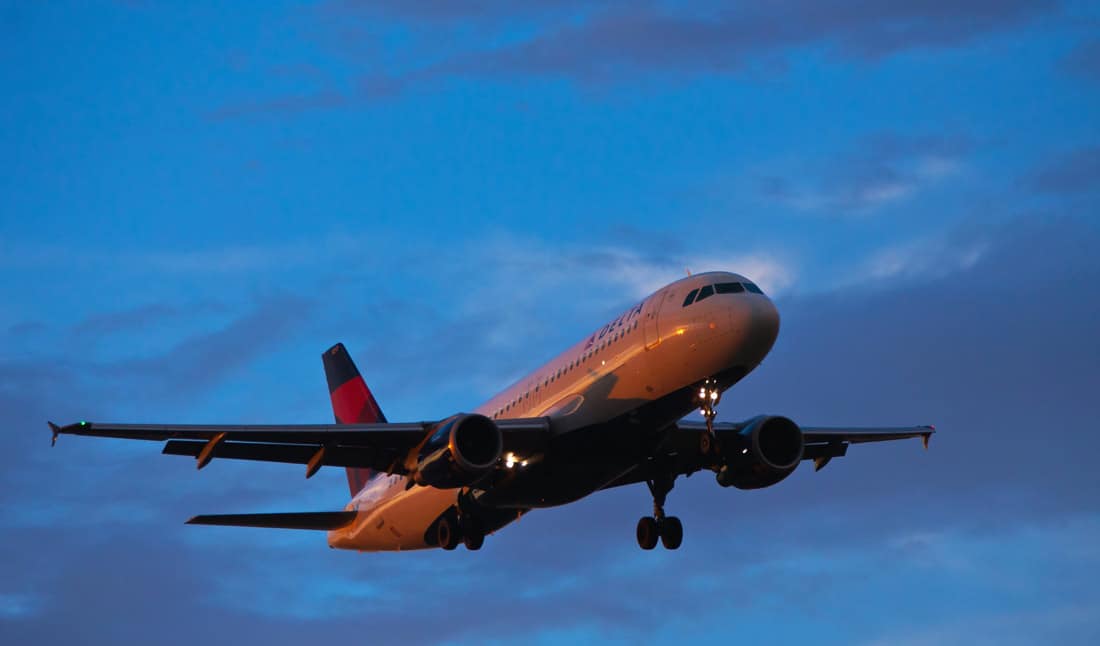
(334, 456)
(318, 520)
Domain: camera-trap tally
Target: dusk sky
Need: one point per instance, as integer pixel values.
(196, 201)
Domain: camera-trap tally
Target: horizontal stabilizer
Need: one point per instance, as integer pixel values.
(297, 520)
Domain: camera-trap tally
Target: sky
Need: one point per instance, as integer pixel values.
(195, 202)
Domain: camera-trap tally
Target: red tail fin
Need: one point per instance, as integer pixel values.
(352, 402)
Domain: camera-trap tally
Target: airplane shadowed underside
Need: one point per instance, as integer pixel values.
(604, 413)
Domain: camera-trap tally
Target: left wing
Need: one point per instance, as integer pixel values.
(680, 453)
(383, 447)
(823, 443)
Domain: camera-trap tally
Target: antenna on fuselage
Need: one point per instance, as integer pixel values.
(688, 270)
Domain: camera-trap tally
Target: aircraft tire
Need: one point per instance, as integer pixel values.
(706, 444)
(647, 532)
(672, 532)
(446, 534)
(473, 536)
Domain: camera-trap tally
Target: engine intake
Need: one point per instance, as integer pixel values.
(459, 451)
(763, 452)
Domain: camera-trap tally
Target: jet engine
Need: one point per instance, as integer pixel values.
(761, 453)
(459, 451)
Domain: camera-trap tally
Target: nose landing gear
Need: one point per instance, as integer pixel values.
(658, 526)
(707, 399)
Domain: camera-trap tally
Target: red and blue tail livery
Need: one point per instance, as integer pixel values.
(352, 402)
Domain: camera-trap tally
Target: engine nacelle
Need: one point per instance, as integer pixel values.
(460, 450)
(763, 452)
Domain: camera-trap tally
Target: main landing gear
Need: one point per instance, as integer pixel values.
(452, 530)
(658, 526)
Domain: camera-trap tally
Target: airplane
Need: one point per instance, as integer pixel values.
(605, 413)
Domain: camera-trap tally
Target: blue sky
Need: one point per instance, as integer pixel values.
(195, 202)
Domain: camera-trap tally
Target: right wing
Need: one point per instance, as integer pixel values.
(382, 447)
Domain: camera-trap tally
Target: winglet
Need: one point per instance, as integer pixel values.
(925, 437)
(56, 430)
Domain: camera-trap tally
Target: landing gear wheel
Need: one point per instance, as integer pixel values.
(473, 536)
(445, 534)
(705, 443)
(672, 532)
(647, 533)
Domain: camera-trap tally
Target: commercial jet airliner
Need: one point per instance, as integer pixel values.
(605, 413)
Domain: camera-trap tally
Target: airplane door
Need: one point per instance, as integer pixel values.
(649, 320)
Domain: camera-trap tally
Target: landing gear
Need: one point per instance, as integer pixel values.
(707, 399)
(446, 534)
(648, 532)
(672, 532)
(473, 534)
(658, 526)
(459, 525)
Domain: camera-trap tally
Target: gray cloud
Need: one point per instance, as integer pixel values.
(199, 362)
(878, 171)
(1002, 356)
(712, 38)
(1075, 172)
(612, 41)
(1084, 61)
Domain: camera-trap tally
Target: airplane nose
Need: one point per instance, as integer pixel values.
(756, 319)
(765, 323)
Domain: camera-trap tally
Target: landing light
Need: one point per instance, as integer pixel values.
(680, 331)
(511, 460)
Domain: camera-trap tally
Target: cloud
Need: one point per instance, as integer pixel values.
(1075, 172)
(1084, 61)
(285, 105)
(972, 351)
(624, 39)
(15, 606)
(879, 171)
(921, 260)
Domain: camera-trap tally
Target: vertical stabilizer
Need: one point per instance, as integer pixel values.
(352, 402)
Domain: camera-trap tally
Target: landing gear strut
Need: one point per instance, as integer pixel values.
(658, 526)
(707, 399)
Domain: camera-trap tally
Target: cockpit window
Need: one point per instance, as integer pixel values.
(690, 297)
(705, 292)
(729, 288)
(753, 288)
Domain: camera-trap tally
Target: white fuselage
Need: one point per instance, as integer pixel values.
(654, 348)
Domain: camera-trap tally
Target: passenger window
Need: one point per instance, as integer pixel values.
(729, 288)
(690, 297)
(753, 288)
(705, 292)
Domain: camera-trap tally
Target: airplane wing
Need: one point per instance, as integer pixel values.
(382, 447)
(680, 452)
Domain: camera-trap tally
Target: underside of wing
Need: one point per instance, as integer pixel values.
(688, 447)
(378, 446)
(319, 520)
